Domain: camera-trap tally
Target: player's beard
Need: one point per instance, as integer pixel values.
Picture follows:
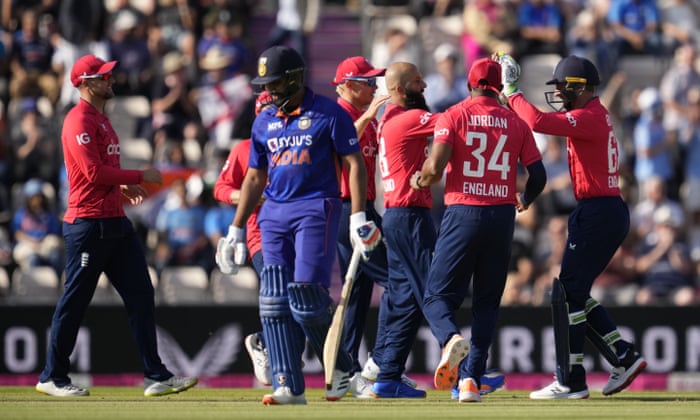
(416, 100)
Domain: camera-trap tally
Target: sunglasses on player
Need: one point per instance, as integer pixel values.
(369, 82)
(105, 76)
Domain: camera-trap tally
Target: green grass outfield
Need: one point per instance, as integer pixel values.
(222, 403)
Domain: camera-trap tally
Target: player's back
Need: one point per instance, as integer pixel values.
(487, 141)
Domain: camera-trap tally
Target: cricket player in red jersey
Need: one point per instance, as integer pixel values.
(100, 238)
(597, 226)
(408, 227)
(227, 189)
(480, 143)
(356, 84)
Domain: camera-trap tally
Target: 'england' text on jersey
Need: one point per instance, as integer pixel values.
(487, 190)
(487, 121)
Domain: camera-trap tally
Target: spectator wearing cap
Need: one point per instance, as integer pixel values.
(128, 44)
(396, 43)
(227, 32)
(36, 231)
(356, 85)
(220, 98)
(173, 103)
(446, 85)
(476, 232)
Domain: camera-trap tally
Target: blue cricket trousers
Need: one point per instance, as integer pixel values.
(473, 246)
(94, 246)
(410, 236)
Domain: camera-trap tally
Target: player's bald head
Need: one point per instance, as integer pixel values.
(398, 74)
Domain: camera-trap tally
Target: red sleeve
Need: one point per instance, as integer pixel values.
(233, 172)
(554, 123)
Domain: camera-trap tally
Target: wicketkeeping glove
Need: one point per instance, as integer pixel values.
(231, 251)
(364, 234)
(510, 73)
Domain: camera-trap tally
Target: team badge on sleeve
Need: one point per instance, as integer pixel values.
(83, 138)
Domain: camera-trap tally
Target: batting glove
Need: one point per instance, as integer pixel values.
(510, 73)
(231, 251)
(364, 234)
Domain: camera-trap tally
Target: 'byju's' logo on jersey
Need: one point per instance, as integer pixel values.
(275, 125)
(304, 123)
(83, 138)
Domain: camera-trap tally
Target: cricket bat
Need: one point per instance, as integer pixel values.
(335, 331)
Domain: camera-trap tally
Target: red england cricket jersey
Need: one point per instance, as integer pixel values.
(487, 141)
(231, 178)
(590, 141)
(91, 153)
(403, 147)
(368, 147)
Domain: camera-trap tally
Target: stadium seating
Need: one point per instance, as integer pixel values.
(184, 285)
(240, 288)
(35, 285)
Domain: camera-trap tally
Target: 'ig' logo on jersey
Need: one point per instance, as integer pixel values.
(83, 138)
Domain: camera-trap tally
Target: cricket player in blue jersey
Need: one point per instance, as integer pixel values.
(297, 149)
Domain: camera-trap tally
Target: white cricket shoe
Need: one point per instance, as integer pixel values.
(360, 387)
(153, 388)
(258, 355)
(69, 390)
(283, 396)
(339, 387)
(621, 377)
(557, 391)
(371, 371)
(468, 391)
(456, 349)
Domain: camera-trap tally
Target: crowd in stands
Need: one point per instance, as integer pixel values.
(192, 60)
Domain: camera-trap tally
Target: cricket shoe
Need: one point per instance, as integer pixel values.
(631, 365)
(68, 390)
(371, 371)
(339, 386)
(557, 391)
(492, 380)
(283, 396)
(153, 388)
(258, 355)
(395, 389)
(468, 391)
(452, 355)
(360, 387)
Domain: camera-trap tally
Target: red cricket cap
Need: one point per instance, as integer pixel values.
(486, 74)
(88, 66)
(356, 66)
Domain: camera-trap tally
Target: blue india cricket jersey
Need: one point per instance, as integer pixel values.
(302, 150)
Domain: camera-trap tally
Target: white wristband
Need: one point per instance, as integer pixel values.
(357, 219)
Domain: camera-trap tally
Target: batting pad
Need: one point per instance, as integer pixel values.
(602, 342)
(280, 330)
(311, 308)
(560, 323)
